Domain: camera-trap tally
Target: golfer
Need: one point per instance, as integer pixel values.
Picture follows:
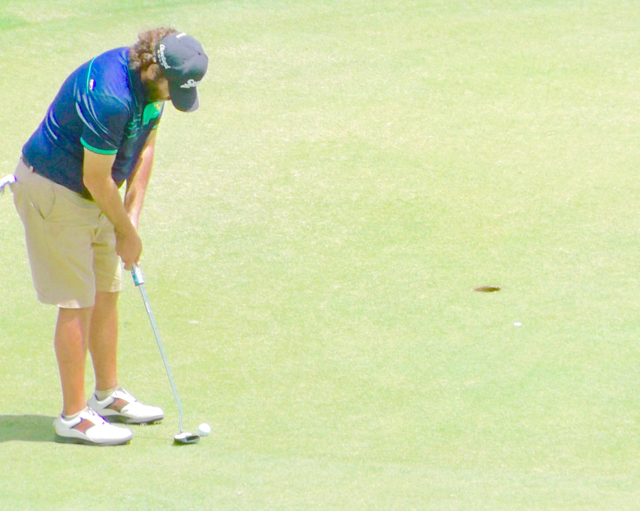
(98, 133)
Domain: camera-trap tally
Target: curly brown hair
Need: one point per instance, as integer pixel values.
(143, 53)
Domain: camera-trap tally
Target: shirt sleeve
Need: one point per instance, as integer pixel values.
(105, 119)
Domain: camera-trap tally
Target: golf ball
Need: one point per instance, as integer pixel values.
(204, 429)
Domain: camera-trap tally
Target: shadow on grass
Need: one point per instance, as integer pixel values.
(26, 428)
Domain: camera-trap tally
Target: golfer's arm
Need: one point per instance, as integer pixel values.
(96, 176)
(139, 180)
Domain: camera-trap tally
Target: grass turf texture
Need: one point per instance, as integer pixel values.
(312, 238)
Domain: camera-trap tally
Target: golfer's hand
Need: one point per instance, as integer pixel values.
(128, 247)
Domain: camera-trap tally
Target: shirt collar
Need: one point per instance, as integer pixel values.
(137, 87)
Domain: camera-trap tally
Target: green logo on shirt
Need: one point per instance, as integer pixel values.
(152, 111)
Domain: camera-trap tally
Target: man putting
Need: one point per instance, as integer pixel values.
(99, 132)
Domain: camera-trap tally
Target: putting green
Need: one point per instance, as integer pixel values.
(313, 236)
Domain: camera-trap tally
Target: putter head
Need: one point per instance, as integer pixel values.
(184, 438)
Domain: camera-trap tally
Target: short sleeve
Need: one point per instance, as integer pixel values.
(105, 119)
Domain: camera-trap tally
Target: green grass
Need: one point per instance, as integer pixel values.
(312, 236)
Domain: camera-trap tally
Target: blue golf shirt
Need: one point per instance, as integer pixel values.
(102, 107)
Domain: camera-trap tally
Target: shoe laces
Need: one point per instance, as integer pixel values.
(123, 394)
(92, 416)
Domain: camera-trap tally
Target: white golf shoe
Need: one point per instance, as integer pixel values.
(90, 429)
(123, 407)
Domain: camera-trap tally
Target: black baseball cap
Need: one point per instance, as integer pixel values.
(184, 63)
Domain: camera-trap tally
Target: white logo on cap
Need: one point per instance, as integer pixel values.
(162, 58)
(191, 84)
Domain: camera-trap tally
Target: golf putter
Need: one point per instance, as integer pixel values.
(183, 437)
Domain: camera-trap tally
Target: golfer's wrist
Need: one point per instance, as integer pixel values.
(125, 229)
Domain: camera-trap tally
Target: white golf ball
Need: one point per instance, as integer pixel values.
(204, 429)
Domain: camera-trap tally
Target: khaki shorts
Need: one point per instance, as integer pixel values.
(70, 242)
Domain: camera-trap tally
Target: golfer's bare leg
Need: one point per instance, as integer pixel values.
(72, 330)
(103, 340)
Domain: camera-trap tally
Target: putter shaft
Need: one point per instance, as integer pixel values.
(138, 280)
